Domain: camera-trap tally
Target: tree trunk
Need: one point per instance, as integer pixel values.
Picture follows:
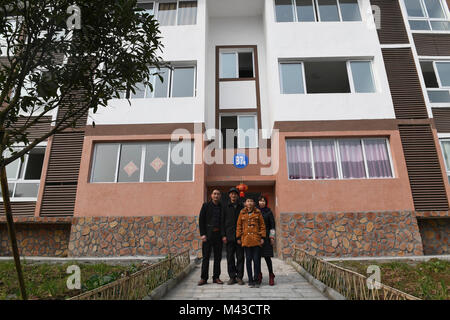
(11, 230)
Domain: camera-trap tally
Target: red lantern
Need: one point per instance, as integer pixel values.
(242, 189)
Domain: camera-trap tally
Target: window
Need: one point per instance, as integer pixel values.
(436, 75)
(305, 11)
(183, 82)
(328, 10)
(317, 10)
(326, 77)
(105, 168)
(362, 76)
(445, 146)
(324, 156)
(284, 11)
(241, 128)
(24, 177)
(187, 12)
(171, 13)
(291, 76)
(148, 6)
(236, 64)
(427, 15)
(177, 81)
(349, 10)
(346, 158)
(143, 162)
(11, 21)
(160, 85)
(352, 159)
(167, 14)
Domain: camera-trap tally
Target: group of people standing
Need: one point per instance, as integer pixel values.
(248, 232)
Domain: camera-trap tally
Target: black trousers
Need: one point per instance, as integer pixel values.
(214, 244)
(235, 260)
(253, 254)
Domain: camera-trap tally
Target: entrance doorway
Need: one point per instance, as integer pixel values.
(253, 191)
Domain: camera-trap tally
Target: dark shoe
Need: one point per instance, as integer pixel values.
(260, 278)
(271, 279)
(240, 281)
(232, 281)
(218, 281)
(202, 282)
(251, 284)
(257, 285)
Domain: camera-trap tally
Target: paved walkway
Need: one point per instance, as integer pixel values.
(289, 285)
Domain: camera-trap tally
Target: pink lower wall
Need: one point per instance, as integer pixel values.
(185, 198)
(137, 199)
(344, 195)
(442, 162)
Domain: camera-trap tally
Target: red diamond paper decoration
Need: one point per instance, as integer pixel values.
(157, 164)
(130, 168)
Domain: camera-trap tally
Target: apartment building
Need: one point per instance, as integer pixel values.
(339, 112)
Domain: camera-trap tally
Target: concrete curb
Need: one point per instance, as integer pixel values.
(389, 259)
(122, 260)
(163, 289)
(327, 291)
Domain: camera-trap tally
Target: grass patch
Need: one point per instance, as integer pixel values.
(48, 281)
(429, 280)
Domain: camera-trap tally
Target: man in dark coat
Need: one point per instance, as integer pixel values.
(210, 224)
(235, 252)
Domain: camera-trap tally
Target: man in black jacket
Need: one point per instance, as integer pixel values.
(210, 224)
(230, 217)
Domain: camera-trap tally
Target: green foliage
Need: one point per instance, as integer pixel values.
(112, 52)
(426, 280)
(97, 280)
(48, 281)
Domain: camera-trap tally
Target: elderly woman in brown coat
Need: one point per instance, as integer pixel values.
(250, 232)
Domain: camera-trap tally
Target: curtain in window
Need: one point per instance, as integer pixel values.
(167, 13)
(299, 159)
(187, 12)
(352, 159)
(377, 156)
(325, 165)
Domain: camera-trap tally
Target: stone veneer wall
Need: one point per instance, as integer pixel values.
(129, 236)
(350, 234)
(37, 239)
(435, 235)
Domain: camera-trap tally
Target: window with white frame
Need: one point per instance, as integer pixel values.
(445, 146)
(11, 21)
(436, 75)
(170, 12)
(236, 64)
(148, 6)
(175, 82)
(427, 15)
(239, 131)
(346, 158)
(317, 10)
(24, 176)
(353, 76)
(156, 161)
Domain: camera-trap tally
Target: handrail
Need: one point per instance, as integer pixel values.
(141, 283)
(350, 284)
